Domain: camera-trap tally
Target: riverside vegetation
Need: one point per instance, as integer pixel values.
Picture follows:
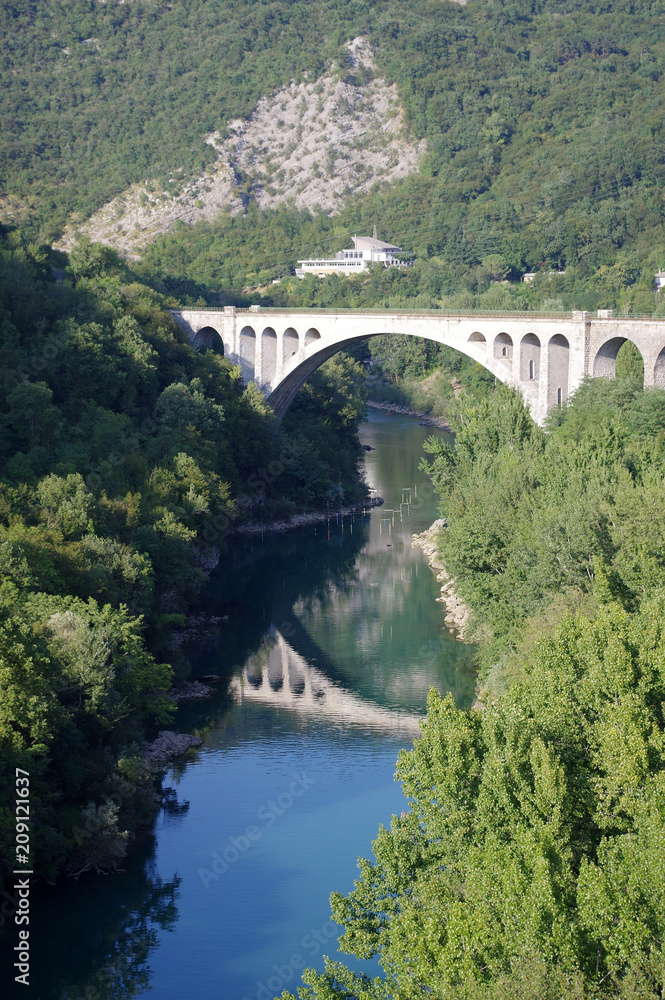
(530, 859)
(125, 459)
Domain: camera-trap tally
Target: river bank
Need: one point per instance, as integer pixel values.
(458, 613)
(425, 419)
(301, 520)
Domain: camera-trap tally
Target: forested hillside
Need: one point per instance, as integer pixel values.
(98, 95)
(543, 124)
(125, 459)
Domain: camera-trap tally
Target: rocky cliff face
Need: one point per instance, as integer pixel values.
(311, 144)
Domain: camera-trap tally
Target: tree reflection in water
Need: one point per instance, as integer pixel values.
(104, 944)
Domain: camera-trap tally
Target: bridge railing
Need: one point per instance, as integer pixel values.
(447, 314)
(444, 314)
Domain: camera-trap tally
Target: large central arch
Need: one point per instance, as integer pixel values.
(513, 360)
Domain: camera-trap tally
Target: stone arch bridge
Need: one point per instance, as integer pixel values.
(544, 356)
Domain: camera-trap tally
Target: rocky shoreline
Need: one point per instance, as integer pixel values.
(168, 746)
(425, 419)
(458, 613)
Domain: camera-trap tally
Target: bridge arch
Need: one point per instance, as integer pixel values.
(530, 359)
(503, 347)
(208, 339)
(558, 352)
(290, 344)
(253, 673)
(311, 336)
(275, 668)
(477, 338)
(298, 370)
(604, 364)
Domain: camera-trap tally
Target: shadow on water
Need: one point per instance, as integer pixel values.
(264, 578)
(74, 959)
(257, 587)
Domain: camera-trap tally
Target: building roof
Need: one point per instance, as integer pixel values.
(369, 243)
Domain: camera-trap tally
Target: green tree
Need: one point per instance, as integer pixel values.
(66, 504)
(31, 415)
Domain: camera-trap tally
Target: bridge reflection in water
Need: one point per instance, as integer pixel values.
(279, 676)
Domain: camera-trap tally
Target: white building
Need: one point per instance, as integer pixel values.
(366, 250)
(530, 275)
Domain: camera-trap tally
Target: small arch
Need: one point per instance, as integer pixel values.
(503, 346)
(247, 352)
(605, 362)
(529, 358)
(558, 353)
(296, 678)
(604, 365)
(268, 354)
(477, 338)
(208, 339)
(659, 370)
(290, 344)
(311, 335)
(254, 675)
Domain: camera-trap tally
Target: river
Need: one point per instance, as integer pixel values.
(334, 638)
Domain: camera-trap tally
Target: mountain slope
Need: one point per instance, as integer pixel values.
(310, 144)
(543, 122)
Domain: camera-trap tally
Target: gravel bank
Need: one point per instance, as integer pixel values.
(458, 613)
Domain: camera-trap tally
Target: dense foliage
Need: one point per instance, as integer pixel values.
(530, 860)
(544, 129)
(234, 260)
(536, 517)
(97, 95)
(125, 458)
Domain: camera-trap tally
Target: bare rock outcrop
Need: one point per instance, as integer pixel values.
(169, 745)
(314, 144)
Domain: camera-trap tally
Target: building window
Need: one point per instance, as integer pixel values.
(530, 369)
(558, 397)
